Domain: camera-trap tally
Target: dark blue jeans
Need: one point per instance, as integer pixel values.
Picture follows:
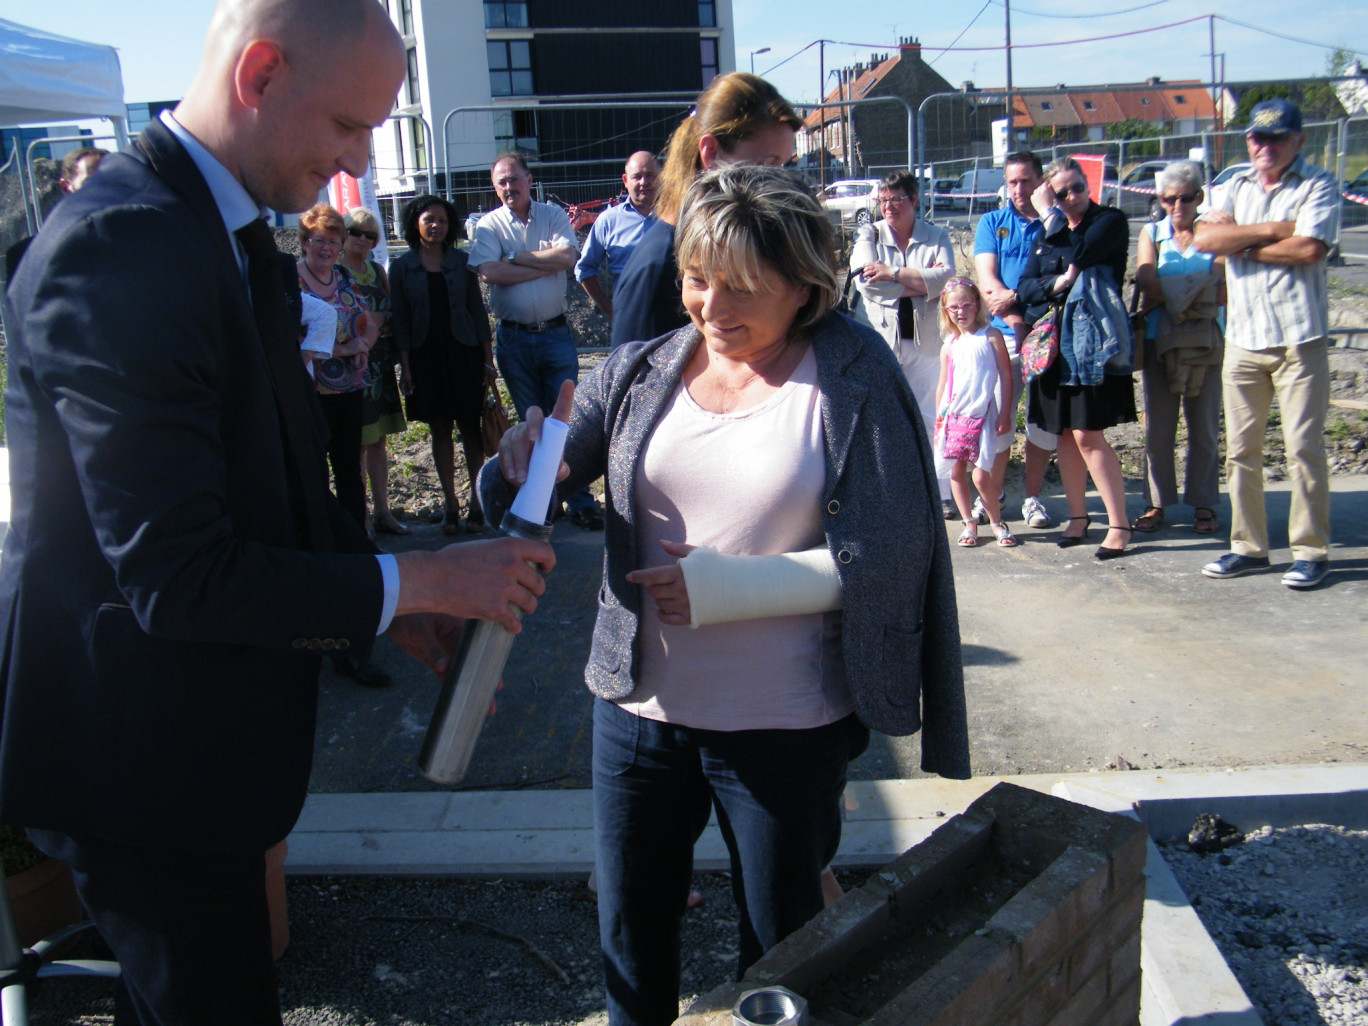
(533, 365)
(778, 800)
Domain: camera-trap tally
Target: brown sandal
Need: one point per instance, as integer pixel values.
(1204, 521)
(1150, 520)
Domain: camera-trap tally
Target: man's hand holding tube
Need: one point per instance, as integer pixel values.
(478, 580)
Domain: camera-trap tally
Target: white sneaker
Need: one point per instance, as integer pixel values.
(1035, 514)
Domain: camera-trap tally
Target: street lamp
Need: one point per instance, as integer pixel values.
(763, 49)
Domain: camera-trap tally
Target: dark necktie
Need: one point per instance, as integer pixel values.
(281, 344)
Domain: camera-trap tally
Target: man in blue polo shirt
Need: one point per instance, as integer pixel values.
(618, 229)
(1002, 245)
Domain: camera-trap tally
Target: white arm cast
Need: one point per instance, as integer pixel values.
(726, 588)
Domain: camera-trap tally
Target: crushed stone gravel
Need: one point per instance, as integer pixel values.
(1288, 909)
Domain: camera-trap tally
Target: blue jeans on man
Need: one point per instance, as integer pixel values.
(533, 365)
(778, 799)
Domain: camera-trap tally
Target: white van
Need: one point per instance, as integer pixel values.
(977, 189)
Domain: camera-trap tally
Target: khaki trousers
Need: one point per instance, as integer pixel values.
(1300, 377)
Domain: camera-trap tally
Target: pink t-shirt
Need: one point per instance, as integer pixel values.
(748, 483)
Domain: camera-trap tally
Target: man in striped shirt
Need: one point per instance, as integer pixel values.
(1274, 229)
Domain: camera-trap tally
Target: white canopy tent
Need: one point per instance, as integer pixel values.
(46, 78)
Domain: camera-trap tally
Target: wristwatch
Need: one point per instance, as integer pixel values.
(511, 258)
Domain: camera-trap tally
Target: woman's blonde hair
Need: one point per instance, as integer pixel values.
(360, 217)
(949, 327)
(735, 107)
(746, 222)
(320, 218)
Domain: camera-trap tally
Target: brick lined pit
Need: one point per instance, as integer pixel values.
(1023, 911)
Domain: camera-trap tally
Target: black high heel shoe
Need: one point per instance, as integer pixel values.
(1105, 553)
(1065, 542)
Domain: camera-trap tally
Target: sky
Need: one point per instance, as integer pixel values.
(159, 41)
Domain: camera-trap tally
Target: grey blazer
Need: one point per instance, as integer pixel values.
(900, 627)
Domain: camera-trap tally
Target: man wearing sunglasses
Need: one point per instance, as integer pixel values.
(1274, 228)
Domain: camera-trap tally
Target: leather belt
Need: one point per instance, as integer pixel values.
(535, 326)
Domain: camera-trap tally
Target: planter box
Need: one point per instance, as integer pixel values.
(1023, 911)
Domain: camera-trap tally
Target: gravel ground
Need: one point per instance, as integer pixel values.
(1289, 910)
(376, 950)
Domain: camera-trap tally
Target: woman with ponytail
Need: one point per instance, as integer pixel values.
(739, 119)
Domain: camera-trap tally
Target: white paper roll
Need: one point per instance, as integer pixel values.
(534, 498)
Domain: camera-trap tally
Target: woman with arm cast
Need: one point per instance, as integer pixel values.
(772, 445)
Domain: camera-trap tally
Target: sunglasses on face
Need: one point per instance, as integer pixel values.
(360, 233)
(1173, 201)
(1265, 139)
(1071, 190)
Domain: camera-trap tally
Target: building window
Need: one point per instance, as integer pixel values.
(1088, 105)
(708, 51)
(502, 14)
(416, 133)
(415, 90)
(406, 17)
(516, 130)
(1046, 106)
(707, 13)
(1180, 98)
(1144, 101)
(510, 67)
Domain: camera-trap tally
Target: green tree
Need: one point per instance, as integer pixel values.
(1256, 96)
(1136, 128)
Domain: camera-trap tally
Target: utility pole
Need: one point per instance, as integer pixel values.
(1011, 115)
(821, 111)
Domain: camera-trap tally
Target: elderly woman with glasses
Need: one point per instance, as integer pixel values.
(340, 376)
(1078, 235)
(1184, 290)
(382, 412)
(777, 580)
(900, 264)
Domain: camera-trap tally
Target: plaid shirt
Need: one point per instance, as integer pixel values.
(1272, 306)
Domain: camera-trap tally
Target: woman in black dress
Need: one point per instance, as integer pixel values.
(446, 349)
(1078, 234)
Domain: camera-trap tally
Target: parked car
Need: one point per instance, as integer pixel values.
(852, 202)
(1219, 184)
(976, 189)
(1137, 196)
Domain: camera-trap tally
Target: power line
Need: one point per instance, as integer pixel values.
(1279, 35)
(1074, 42)
(967, 28)
(1075, 17)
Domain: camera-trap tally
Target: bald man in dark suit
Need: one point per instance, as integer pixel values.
(175, 566)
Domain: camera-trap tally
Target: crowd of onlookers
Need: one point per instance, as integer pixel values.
(1226, 311)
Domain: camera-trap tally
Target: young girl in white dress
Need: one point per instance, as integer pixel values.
(975, 382)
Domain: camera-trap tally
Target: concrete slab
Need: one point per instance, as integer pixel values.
(549, 834)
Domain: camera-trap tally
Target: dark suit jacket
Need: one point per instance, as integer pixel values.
(162, 618)
(412, 310)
